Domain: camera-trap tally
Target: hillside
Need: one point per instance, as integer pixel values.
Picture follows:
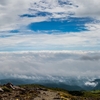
(37, 92)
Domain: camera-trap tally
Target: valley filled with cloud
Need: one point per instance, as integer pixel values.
(50, 64)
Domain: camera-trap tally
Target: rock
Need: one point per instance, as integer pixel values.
(1, 90)
(18, 88)
(43, 89)
(9, 85)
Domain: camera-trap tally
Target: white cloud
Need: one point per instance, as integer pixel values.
(48, 63)
(38, 41)
(11, 9)
(88, 8)
(92, 84)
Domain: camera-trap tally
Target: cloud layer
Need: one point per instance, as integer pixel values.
(38, 41)
(49, 64)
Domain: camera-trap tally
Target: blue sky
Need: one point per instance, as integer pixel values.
(49, 25)
(69, 25)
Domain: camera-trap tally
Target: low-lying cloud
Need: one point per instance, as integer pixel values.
(48, 64)
(92, 84)
(91, 58)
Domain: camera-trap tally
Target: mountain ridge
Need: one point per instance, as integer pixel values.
(53, 84)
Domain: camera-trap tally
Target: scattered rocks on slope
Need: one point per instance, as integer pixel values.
(30, 92)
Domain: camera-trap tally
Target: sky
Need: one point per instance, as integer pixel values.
(53, 28)
(31, 25)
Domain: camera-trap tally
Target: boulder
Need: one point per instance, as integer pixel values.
(1, 90)
(9, 85)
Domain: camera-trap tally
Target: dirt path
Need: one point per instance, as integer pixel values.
(48, 95)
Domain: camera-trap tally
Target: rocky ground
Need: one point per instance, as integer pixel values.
(36, 92)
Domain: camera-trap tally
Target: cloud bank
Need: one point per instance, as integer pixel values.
(49, 64)
(37, 41)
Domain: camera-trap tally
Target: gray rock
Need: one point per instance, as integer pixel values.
(1, 90)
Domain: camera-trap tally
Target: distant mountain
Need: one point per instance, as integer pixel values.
(98, 84)
(68, 84)
(97, 80)
(48, 84)
(63, 86)
(16, 81)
